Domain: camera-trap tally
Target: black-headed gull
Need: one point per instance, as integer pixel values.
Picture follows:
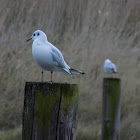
(47, 56)
(109, 67)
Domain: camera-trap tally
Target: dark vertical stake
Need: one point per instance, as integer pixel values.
(28, 112)
(50, 111)
(111, 109)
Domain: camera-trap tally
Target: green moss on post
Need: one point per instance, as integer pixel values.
(49, 110)
(68, 112)
(47, 102)
(111, 109)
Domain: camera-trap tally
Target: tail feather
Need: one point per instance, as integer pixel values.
(114, 70)
(76, 71)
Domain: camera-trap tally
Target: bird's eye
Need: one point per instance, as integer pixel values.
(37, 34)
(33, 34)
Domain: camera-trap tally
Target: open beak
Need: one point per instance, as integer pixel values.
(28, 39)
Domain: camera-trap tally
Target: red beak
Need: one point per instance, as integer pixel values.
(28, 39)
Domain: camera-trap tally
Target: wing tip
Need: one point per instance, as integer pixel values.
(76, 71)
(82, 72)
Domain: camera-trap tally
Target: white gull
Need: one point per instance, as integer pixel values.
(48, 57)
(109, 67)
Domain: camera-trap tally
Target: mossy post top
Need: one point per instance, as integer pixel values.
(112, 79)
(48, 83)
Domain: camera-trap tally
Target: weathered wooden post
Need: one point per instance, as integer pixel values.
(111, 109)
(50, 111)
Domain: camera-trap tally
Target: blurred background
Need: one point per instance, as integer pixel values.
(87, 32)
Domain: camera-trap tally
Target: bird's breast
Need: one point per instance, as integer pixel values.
(42, 57)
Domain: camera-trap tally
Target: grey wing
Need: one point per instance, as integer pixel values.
(114, 68)
(110, 66)
(58, 58)
(113, 65)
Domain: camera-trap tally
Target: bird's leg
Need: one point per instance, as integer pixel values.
(51, 76)
(42, 77)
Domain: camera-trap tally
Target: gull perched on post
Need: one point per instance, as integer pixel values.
(48, 57)
(109, 67)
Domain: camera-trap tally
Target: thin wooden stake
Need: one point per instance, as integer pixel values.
(111, 109)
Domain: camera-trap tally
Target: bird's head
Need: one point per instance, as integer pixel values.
(38, 34)
(107, 61)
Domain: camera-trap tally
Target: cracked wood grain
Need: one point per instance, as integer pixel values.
(50, 111)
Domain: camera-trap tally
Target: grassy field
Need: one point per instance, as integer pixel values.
(87, 32)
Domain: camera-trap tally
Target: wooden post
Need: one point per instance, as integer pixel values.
(111, 109)
(50, 111)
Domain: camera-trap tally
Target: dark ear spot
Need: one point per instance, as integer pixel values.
(38, 34)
